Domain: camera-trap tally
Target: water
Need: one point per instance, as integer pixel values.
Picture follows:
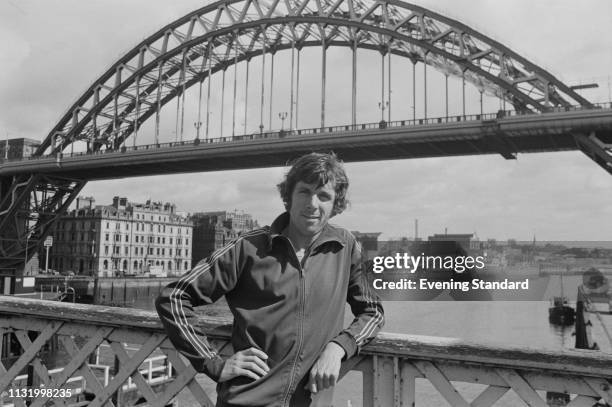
(514, 323)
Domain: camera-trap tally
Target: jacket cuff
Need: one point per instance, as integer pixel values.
(348, 344)
(213, 367)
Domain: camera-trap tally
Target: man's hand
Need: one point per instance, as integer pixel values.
(249, 362)
(325, 371)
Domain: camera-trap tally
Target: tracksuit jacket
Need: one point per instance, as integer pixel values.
(289, 311)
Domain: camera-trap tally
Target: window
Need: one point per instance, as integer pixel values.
(170, 240)
(127, 238)
(163, 240)
(106, 250)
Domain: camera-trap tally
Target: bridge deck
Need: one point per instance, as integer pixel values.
(453, 136)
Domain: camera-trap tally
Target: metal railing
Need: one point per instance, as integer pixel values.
(281, 134)
(391, 370)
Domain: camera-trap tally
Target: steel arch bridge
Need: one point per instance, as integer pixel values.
(191, 49)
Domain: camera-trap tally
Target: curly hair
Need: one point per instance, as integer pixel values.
(318, 169)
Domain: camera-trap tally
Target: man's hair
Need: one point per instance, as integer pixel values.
(318, 169)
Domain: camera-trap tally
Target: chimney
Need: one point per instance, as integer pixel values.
(85, 202)
(119, 202)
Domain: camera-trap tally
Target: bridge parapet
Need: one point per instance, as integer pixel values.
(276, 134)
(464, 374)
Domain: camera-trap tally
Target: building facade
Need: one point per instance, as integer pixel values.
(368, 242)
(18, 148)
(468, 241)
(213, 230)
(124, 238)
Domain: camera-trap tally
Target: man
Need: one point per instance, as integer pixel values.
(286, 286)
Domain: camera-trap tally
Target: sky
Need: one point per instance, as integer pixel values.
(53, 50)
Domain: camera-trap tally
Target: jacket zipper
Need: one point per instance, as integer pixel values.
(301, 321)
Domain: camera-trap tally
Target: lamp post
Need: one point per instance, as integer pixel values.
(197, 125)
(282, 116)
(25, 260)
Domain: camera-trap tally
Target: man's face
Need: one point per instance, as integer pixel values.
(311, 207)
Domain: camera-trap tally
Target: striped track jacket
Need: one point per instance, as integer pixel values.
(288, 311)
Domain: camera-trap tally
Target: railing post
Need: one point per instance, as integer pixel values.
(117, 397)
(30, 382)
(407, 384)
(384, 382)
(368, 382)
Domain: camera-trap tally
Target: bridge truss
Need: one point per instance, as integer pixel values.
(188, 51)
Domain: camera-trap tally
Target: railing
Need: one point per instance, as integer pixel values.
(281, 134)
(393, 370)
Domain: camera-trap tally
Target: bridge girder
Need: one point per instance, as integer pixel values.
(29, 205)
(211, 39)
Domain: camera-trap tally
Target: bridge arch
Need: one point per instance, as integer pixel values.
(209, 40)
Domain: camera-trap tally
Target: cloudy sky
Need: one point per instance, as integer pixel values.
(52, 50)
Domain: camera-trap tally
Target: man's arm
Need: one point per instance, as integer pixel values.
(369, 318)
(365, 305)
(204, 284)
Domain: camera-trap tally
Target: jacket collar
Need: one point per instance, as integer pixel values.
(329, 233)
